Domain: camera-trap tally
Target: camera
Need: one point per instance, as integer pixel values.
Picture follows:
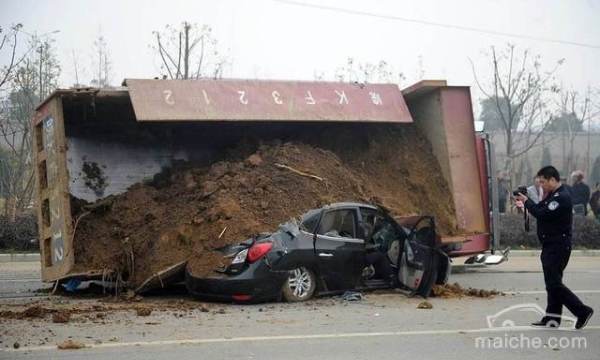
(520, 190)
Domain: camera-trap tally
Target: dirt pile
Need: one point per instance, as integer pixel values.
(450, 291)
(188, 211)
(31, 312)
(70, 345)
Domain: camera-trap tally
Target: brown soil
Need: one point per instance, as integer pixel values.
(31, 312)
(188, 211)
(425, 305)
(96, 310)
(143, 311)
(61, 317)
(449, 291)
(70, 345)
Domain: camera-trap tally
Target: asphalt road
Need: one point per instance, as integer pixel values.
(383, 325)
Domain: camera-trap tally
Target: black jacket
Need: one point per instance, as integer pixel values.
(554, 216)
(580, 193)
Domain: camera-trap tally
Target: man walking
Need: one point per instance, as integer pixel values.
(554, 216)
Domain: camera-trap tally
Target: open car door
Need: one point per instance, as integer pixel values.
(417, 263)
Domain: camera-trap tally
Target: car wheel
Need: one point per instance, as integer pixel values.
(300, 285)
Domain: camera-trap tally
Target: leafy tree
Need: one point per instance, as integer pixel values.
(565, 122)
(492, 112)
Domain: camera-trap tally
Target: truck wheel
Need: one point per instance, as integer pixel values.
(300, 285)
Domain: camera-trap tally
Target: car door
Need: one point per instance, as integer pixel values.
(340, 253)
(417, 263)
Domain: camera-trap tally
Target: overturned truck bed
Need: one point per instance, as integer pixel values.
(138, 182)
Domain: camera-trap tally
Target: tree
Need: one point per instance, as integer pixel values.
(101, 64)
(595, 173)
(546, 157)
(9, 44)
(32, 81)
(366, 72)
(189, 52)
(519, 89)
(574, 112)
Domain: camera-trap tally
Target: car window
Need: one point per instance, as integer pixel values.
(378, 228)
(338, 223)
(310, 220)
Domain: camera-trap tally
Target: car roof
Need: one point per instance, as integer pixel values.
(350, 204)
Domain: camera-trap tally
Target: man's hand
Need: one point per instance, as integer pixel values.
(522, 198)
(519, 204)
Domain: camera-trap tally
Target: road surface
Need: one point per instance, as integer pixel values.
(383, 325)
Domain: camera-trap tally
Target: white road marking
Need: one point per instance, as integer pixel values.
(304, 337)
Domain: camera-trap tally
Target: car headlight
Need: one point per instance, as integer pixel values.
(240, 257)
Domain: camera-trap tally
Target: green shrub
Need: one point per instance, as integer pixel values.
(20, 235)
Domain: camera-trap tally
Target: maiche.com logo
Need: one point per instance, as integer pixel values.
(506, 318)
(516, 321)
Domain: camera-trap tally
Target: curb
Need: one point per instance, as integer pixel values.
(17, 257)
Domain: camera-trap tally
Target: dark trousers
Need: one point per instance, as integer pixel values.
(555, 257)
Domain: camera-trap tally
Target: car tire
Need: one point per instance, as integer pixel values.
(300, 285)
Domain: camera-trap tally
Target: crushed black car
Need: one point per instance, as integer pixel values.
(340, 247)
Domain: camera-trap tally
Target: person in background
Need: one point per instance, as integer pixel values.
(563, 180)
(595, 201)
(502, 192)
(535, 191)
(580, 193)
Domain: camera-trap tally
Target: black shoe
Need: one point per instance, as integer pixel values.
(583, 319)
(546, 323)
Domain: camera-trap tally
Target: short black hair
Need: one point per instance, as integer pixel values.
(548, 172)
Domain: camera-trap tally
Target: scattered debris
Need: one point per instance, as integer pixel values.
(70, 345)
(143, 311)
(425, 305)
(449, 291)
(35, 311)
(16, 345)
(352, 296)
(61, 317)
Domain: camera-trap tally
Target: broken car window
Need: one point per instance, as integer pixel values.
(310, 220)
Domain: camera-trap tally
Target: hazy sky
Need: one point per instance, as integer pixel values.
(274, 40)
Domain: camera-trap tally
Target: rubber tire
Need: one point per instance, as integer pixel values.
(288, 294)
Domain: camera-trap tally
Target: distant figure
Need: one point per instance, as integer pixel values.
(563, 180)
(595, 202)
(502, 193)
(535, 191)
(580, 193)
